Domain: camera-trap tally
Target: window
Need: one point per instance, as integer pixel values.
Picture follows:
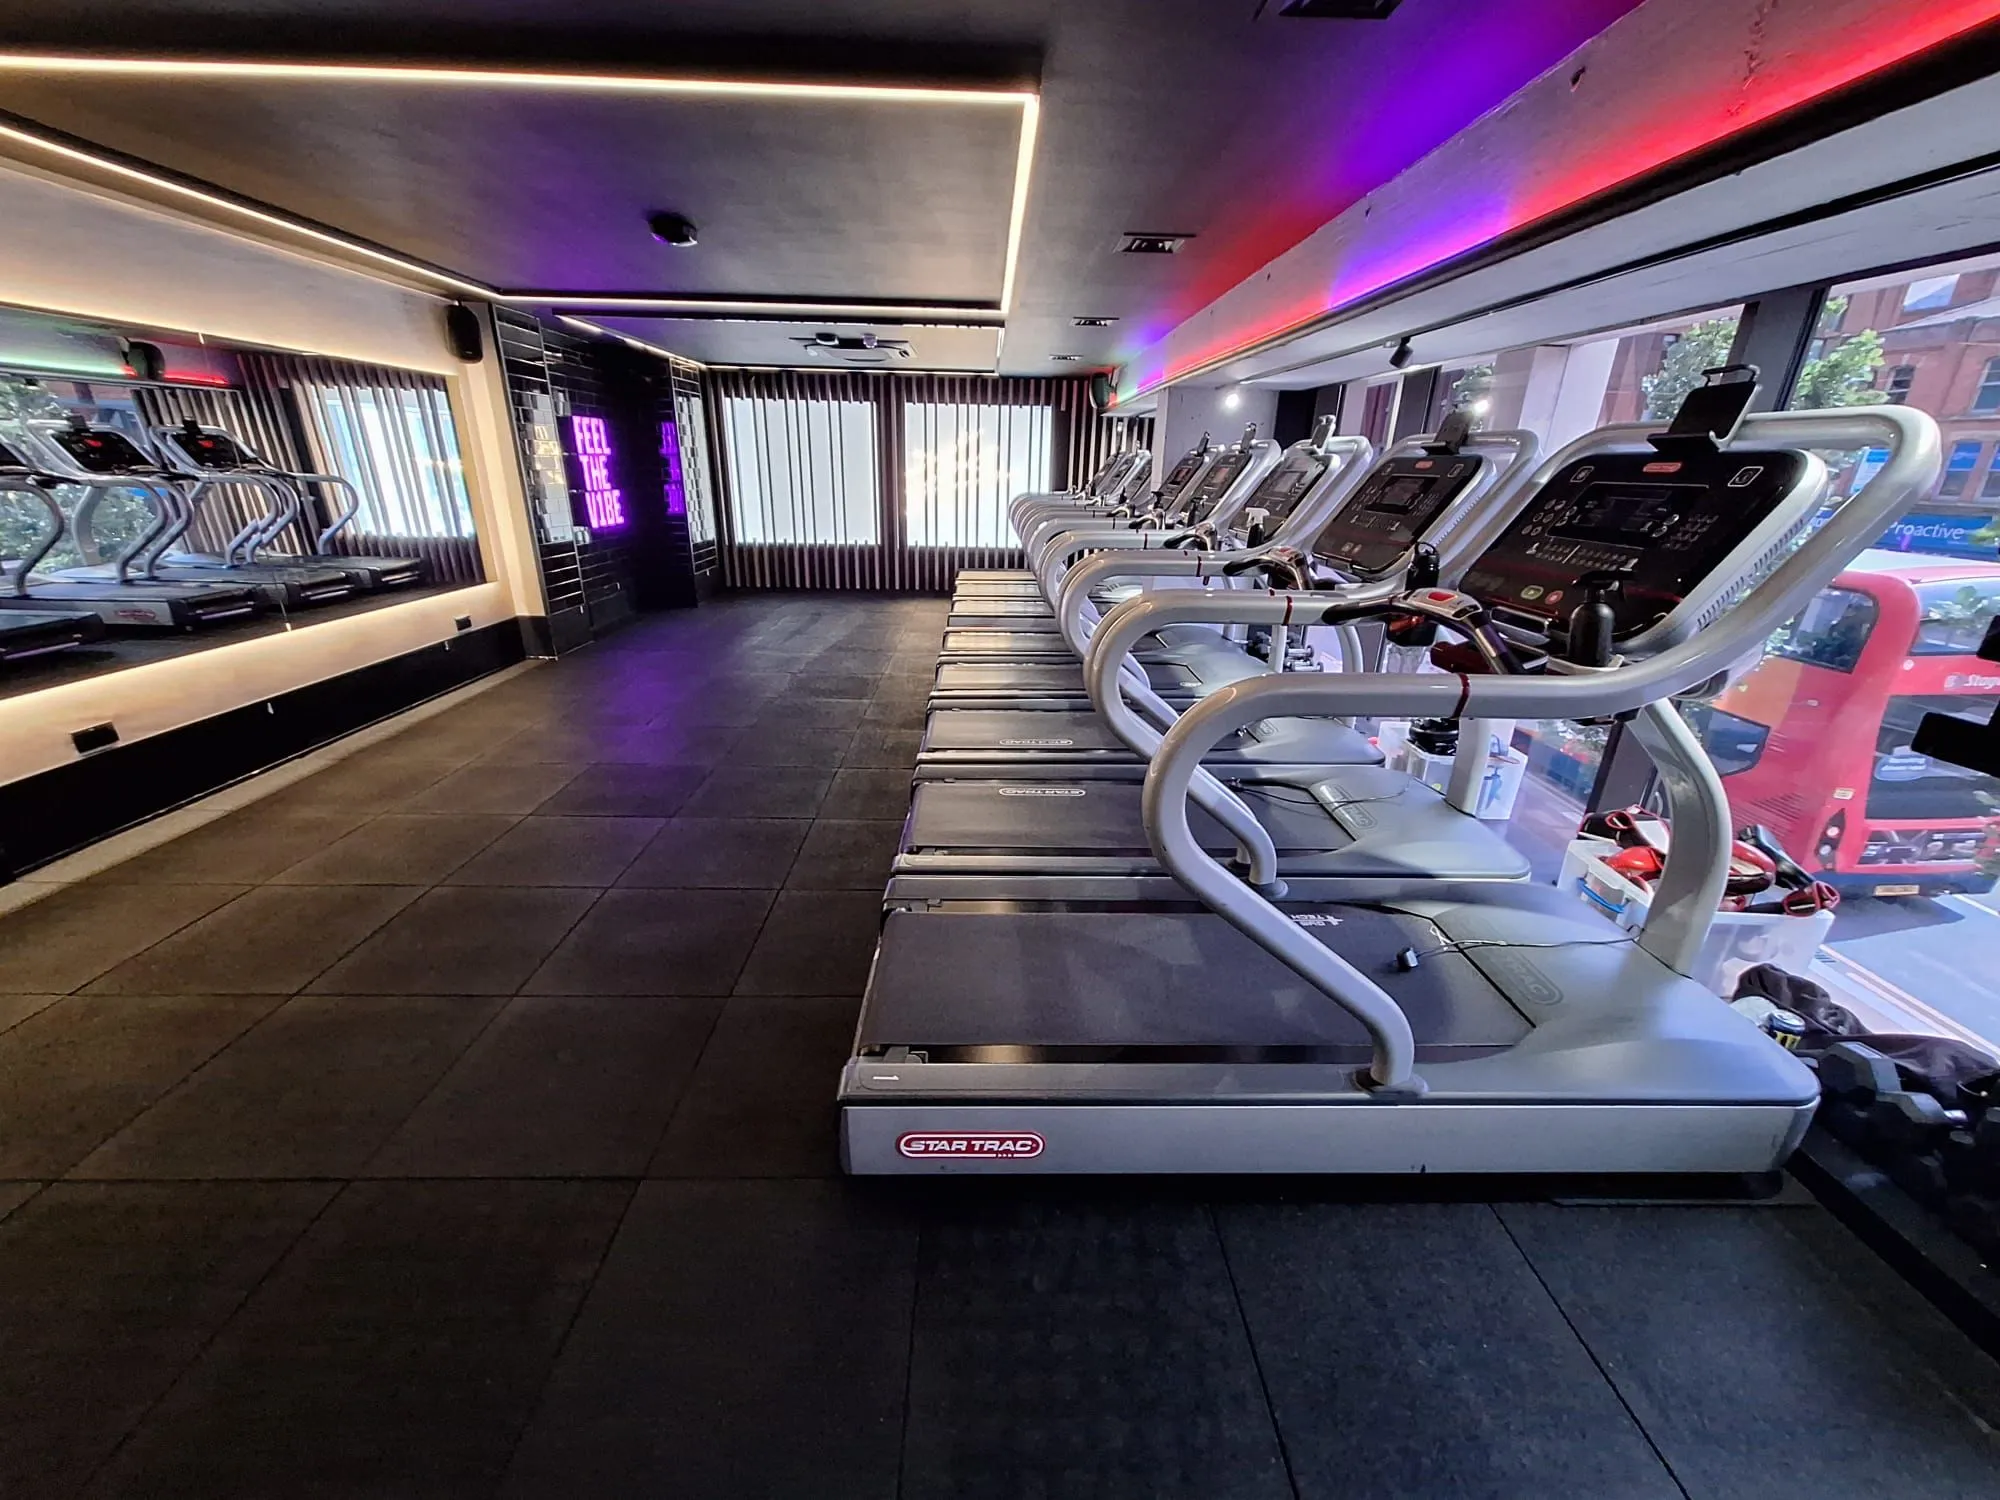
(963, 462)
(801, 470)
(1901, 378)
(1734, 745)
(398, 446)
(1955, 616)
(1958, 467)
(1907, 785)
(1988, 396)
(1829, 632)
(1929, 293)
(1990, 490)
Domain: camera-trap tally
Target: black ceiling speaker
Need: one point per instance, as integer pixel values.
(1100, 392)
(1341, 10)
(146, 360)
(671, 228)
(462, 332)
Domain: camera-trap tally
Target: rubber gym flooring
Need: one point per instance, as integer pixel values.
(457, 1123)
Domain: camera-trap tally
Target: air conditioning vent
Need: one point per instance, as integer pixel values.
(1066, 359)
(1340, 10)
(1153, 244)
(1092, 322)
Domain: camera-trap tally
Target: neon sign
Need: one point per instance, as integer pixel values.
(601, 500)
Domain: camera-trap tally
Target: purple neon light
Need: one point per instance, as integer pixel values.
(601, 500)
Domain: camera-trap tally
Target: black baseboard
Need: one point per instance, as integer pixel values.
(57, 812)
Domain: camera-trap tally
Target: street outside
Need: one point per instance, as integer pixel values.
(1942, 951)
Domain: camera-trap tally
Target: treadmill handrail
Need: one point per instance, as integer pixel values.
(1684, 905)
(31, 557)
(1264, 455)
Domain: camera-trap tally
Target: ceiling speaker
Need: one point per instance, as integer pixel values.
(462, 332)
(1100, 392)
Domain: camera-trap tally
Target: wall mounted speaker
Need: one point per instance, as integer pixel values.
(146, 360)
(1100, 392)
(462, 332)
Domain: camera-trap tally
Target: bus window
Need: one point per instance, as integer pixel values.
(1908, 785)
(1830, 631)
(1955, 617)
(1734, 745)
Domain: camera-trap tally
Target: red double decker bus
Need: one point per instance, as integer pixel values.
(1814, 742)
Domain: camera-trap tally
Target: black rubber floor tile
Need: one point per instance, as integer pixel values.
(460, 940)
(555, 742)
(794, 708)
(744, 853)
(560, 851)
(627, 791)
(397, 1351)
(270, 941)
(557, 1086)
(743, 1339)
(1063, 1349)
(761, 1101)
(73, 1075)
(1379, 1363)
(859, 793)
(313, 1091)
(14, 1194)
(363, 784)
(14, 1009)
(655, 942)
(442, 737)
(1722, 1329)
(846, 855)
(883, 747)
(893, 713)
(815, 943)
(64, 941)
(111, 1293)
(670, 744)
(246, 846)
(818, 745)
(492, 789)
(735, 791)
(397, 849)
(844, 678)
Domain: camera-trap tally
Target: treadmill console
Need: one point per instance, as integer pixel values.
(1181, 475)
(100, 450)
(1280, 491)
(212, 448)
(1223, 473)
(1661, 525)
(1395, 506)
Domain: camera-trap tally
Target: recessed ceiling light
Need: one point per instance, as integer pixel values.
(1153, 244)
(1066, 359)
(671, 228)
(1092, 322)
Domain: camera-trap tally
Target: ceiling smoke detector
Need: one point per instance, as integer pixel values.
(1340, 10)
(1152, 244)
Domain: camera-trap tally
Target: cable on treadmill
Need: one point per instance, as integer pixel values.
(1277, 792)
(1410, 958)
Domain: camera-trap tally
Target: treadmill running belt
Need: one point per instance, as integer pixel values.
(1125, 979)
(1095, 817)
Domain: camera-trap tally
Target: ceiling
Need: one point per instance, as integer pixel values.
(1205, 117)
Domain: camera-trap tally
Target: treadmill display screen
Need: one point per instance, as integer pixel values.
(1216, 482)
(1664, 525)
(1285, 486)
(1396, 507)
(213, 450)
(99, 450)
(1182, 475)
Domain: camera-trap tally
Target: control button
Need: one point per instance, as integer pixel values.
(1555, 597)
(1743, 478)
(1532, 592)
(1439, 596)
(1582, 474)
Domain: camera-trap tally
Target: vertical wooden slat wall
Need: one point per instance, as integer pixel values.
(772, 544)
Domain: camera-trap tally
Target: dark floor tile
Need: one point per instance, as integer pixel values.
(842, 679)
(746, 853)
(1720, 1326)
(820, 745)
(246, 846)
(815, 943)
(313, 1091)
(1064, 1349)
(492, 789)
(14, 1194)
(743, 1339)
(560, 851)
(398, 849)
(655, 942)
(846, 855)
(477, 940)
(670, 745)
(859, 793)
(270, 941)
(64, 941)
(396, 1352)
(890, 713)
(761, 1101)
(442, 737)
(792, 709)
(14, 1009)
(557, 742)
(884, 747)
(111, 1292)
(364, 784)
(557, 1086)
(627, 791)
(77, 1072)
(1378, 1362)
(760, 792)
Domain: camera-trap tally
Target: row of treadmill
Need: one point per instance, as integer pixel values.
(157, 581)
(1161, 907)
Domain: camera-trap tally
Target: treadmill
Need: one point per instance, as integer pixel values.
(1412, 1025)
(1363, 535)
(1116, 484)
(213, 455)
(28, 627)
(112, 592)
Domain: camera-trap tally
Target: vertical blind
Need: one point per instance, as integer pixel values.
(838, 480)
